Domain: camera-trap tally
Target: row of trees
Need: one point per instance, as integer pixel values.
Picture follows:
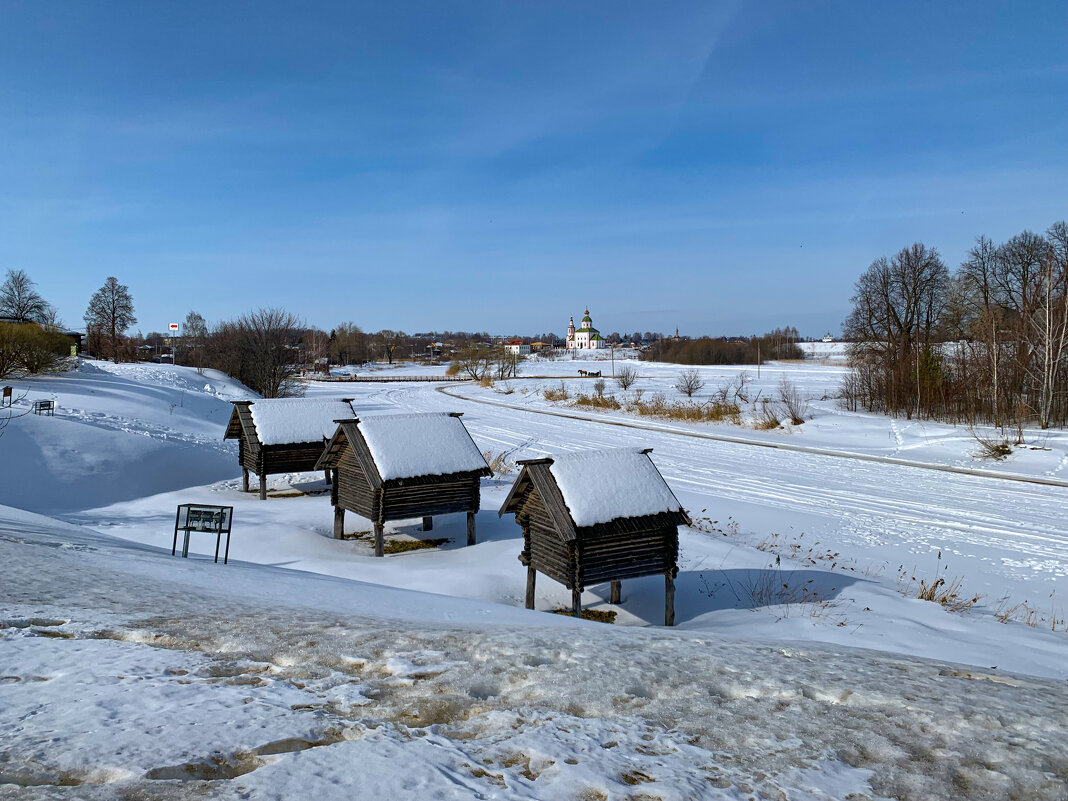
(778, 344)
(30, 339)
(987, 343)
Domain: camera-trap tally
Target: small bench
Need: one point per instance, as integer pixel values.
(44, 407)
(203, 517)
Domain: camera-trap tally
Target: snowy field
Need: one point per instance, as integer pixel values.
(802, 666)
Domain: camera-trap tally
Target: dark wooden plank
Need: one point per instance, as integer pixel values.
(552, 500)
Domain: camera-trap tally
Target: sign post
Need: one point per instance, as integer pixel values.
(174, 335)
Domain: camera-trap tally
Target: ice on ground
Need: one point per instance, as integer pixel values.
(287, 421)
(604, 485)
(411, 445)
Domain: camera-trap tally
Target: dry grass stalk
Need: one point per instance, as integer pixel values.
(402, 546)
(991, 447)
(598, 615)
(941, 590)
(793, 402)
(767, 418)
(498, 463)
(558, 394)
(598, 401)
(711, 412)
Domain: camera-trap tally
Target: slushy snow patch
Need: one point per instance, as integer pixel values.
(410, 445)
(284, 421)
(605, 485)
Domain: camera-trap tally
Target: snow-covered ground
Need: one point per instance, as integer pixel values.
(119, 431)
(308, 667)
(827, 426)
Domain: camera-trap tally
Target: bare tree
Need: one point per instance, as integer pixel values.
(795, 404)
(20, 301)
(689, 382)
(194, 336)
(626, 376)
(315, 347)
(506, 363)
(348, 344)
(269, 356)
(897, 305)
(110, 313)
(390, 342)
(473, 362)
(1049, 322)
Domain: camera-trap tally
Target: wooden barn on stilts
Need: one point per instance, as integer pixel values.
(594, 516)
(398, 467)
(282, 435)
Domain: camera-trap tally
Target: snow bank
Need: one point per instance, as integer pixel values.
(410, 445)
(599, 486)
(283, 421)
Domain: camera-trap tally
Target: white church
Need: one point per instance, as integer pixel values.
(586, 337)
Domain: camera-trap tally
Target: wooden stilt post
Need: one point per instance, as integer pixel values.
(470, 528)
(576, 602)
(669, 598)
(531, 578)
(327, 474)
(339, 522)
(244, 479)
(428, 524)
(617, 591)
(379, 543)
(263, 486)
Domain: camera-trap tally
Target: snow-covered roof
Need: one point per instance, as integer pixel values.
(605, 485)
(284, 421)
(411, 445)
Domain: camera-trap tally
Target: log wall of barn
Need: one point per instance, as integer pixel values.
(296, 458)
(438, 496)
(354, 489)
(542, 545)
(612, 555)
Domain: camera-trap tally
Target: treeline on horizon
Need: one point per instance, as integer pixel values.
(778, 344)
(985, 343)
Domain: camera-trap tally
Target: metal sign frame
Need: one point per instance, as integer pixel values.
(204, 517)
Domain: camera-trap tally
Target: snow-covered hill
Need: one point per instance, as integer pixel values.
(309, 667)
(119, 432)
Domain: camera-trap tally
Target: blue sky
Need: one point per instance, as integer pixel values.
(722, 167)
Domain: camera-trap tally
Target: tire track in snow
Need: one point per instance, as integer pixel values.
(874, 499)
(783, 446)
